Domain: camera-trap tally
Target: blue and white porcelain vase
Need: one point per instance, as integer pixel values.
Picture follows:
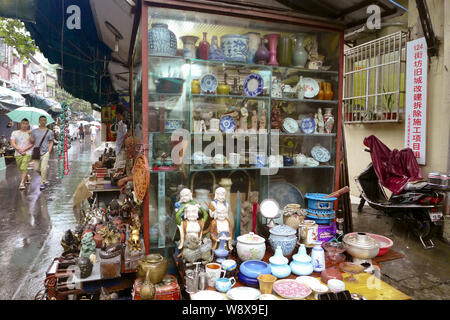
(221, 253)
(235, 47)
(161, 41)
(279, 264)
(301, 263)
(318, 257)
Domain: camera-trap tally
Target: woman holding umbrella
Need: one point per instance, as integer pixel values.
(20, 140)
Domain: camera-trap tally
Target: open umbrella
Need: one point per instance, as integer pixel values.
(31, 113)
(95, 123)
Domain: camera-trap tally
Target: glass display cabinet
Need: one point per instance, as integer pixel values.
(247, 103)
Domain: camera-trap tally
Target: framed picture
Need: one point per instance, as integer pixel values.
(106, 114)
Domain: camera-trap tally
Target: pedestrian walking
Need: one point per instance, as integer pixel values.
(93, 133)
(121, 136)
(43, 139)
(81, 129)
(20, 140)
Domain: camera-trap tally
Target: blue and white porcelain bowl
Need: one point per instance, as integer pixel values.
(235, 47)
(283, 236)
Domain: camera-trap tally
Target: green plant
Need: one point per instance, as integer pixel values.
(388, 101)
(14, 34)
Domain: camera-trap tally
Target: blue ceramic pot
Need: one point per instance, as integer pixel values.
(279, 264)
(234, 47)
(301, 263)
(253, 268)
(283, 236)
(161, 41)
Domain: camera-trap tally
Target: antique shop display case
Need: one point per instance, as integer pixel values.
(249, 104)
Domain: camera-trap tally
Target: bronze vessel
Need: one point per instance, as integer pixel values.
(153, 268)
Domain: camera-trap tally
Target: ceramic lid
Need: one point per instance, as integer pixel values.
(251, 238)
(283, 230)
(278, 257)
(361, 240)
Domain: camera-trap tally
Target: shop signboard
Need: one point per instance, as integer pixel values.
(416, 98)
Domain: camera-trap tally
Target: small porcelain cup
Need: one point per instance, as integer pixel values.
(336, 285)
(234, 159)
(229, 265)
(225, 284)
(214, 270)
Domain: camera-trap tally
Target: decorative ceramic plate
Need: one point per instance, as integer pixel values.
(208, 83)
(311, 87)
(141, 177)
(285, 193)
(243, 293)
(291, 289)
(227, 124)
(207, 295)
(253, 85)
(290, 125)
(308, 125)
(320, 154)
(308, 281)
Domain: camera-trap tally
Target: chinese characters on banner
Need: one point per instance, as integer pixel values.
(416, 98)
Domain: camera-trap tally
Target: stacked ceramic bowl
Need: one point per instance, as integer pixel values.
(320, 209)
(250, 270)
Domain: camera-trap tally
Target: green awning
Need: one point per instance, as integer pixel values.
(83, 57)
(18, 9)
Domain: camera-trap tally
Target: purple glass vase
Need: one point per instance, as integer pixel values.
(262, 54)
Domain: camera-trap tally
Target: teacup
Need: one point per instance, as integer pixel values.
(225, 284)
(234, 159)
(214, 271)
(229, 265)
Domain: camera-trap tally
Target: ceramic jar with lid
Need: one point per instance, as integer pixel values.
(279, 264)
(292, 216)
(250, 246)
(283, 236)
(153, 268)
(308, 232)
(301, 264)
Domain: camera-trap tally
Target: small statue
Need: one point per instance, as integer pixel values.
(109, 235)
(316, 121)
(275, 119)
(215, 52)
(134, 241)
(246, 217)
(192, 226)
(87, 245)
(263, 121)
(243, 126)
(69, 242)
(300, 88)
(320, 122)
(254, 128)
(180, 206)
(220, 227)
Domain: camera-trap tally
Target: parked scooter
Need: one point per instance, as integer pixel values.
(419, 204)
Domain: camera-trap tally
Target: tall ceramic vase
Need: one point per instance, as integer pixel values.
(299, 56)
(284, 51)
(204, 48)
(273, 41)
(262, 54)
(189, 46)
(254, 39)
(161, 41)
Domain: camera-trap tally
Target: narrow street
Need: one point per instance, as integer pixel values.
(33, 222)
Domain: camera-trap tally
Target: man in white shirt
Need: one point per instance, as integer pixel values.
(93, 133)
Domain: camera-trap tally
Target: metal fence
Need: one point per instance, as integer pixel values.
(374, 80)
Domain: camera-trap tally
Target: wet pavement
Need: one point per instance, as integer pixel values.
(33, 222)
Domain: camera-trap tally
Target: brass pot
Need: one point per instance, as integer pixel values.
(153, 268)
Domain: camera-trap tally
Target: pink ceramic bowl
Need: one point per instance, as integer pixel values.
(385, 243)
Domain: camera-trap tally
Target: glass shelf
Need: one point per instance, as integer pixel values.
(306, 100)
(229, 96)
(225, 168)
(305, 70)
(166, 94)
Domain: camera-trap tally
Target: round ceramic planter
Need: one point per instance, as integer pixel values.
(161, 41)
(235, 47)
(251, 247)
